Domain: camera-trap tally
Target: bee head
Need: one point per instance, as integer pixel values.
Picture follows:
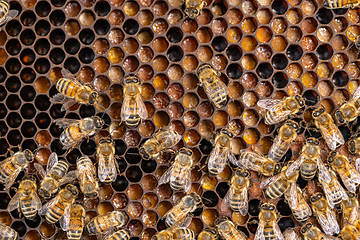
(313, 141)
(211, 230)
(143, 154)
(106, 140)
(242, 172)
(73, 189)
(227, 132)
(268, 206)
(132, 80)
(277, 168)
(29, 155)
(196, 198)
(351, 146)
(91, 195)
(305, 227)
(331, 157)
(351, 195)
(300, 100)
(93, 97)
(192, 12)
(99, 122)
(292, 124)
(186, 151)
(315, 197)
(221, 220)
(44, 194)
(339, 117)
(317, 112)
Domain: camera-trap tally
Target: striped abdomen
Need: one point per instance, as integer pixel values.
(133, 110)
(59, 170)
(177, 180)
(8, 233)
(236, 201)
(335, 195)
(7, 170)
(278, 149)
(119, 235)
(269, 233)
(308, 169)
(4, 8)
(27, 208)
(54, 213)
(107, 173)
(341, 3)
(184, 234)
(71, 135)
(67, 87)
(98, 225)
(217, 163)
(175, 215)
(76, 228)
(277, 189)
(303, 211)
(275, 115)
(217, 93)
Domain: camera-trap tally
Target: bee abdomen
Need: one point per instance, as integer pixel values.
(27, 209)
(120, 235)
(276, 189)
(75, 230)
(219, 97)
(308, 171)
(54, 214)
(97, 226)
(4, 8)
(170, 219)
(70, 135)
(277, 152)
(60, 169)
(66, 87)
(269, 233)
(236, 203)
(133, 120)
(184, 233)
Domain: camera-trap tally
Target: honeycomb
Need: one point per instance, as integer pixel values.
(263, 49)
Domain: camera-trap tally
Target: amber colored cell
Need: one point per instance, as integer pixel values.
(160, 26)
(353, 70)
(175, 91)
(160, 8)
(46, 229)
(131, 8)
(293, 89)
(190, 100)
(175, 72)
(309, 61)
(248, 62)
(209, 216)
(294, 71)
(101, 46)
(150, 218)
(160, 45)
(250, 117)
(248, 43)
(249, 99)
(339, 43)
(219, 26)
(145, 17)
(264, 89)
(42, 85)
(149, 182)
(105, 192)
(130, 45)
(353, 85)
(263, 52)
(102, 103)
(134, 192)
(233, 34)
(204, 35)
(208, 182)
(146, 128)
(248, 7)
(190, 63)
(263, 34)
(116, 55)
(293, 16)
(324, 88)
(309, 79)
(249, 80)
(88, 3)
(164, 191)
(189, 44)
(251, 136)
(205, 17)
(238, 218)
(115, 111)
(219, 62)
(116, 17)
(175, 3)
(72, 9)
(101, 83)
(248, 25)
(3, 38)
(206, 128)
(293, 34)
(278, 25)
(146, 3)
(145, 36)
(161, 119)
(135, 209)
(149, 200)
(204, 53)
(339, 97)
(43, 138)
(42, 155)
(147, 91)
(160, 63)
(150, 109)
(339, 24)
(120, 201)
(132, 138)
(135, 227)
(163, 207)
(145, 73)
(324, 34)
(72, 27)
(278, 43)
(87, 18)
(116, 74)
(116, 92)
(234, 109)
(130, 64)
(339, 60)
(32, 235)
(145, 54)
(101, 65)
(309, 43)
(191, 137)
(234, 16)
(264, 128)
(191, 119)
(160, 82)
(353, 15)
(264, 16)
(235, 90)
(220, 118)
(189, 26)
(309, 25)
(161, 100)
(116, 36)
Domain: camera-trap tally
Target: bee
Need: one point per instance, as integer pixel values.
(215, 89)
(349, 232)
(283, 141)
(348, 174)
(253, 160)
(354, 146)
(179, 173)
(7, 233)
(208, 233)
(328, 129)
(221, 152)
(105, 153)
(311, 232)
(237, 196)
(350, 209)
(297, 203)
(181, 212)
(13, 165)
(76, 226)
(59, 208)
(280, 110)
(175, 234)
(349, 111)
(122, 234)
(333, 4)
(87, 176)
(26, 199)
(71, 91)
(268, 227)
(133, 108)
(160, 141)
(228, 231)
(56, 175)
(290, 234)
(104, 223)
(76, 130)
(193, 7)
(6, 14)
(277, 185)
(324, 214)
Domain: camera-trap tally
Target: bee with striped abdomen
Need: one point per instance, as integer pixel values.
(268, 227)
(105, 223)
(56, 175)
(122, 234)
(76, 130)
(7, 233)
(253, 160)
(59, 207)
(26, 199)
(354, 147)
(178, 175)
(290, 234)
(237, 195)
(283, 141)
(215, 89)
(228, 231)
(159, 142)
(324, 214)
(348, 174)
(193, 7)
(175, 233)
(311, 232)
(107, 164)
(280, 110)
(71, 91)
(13, 165)
(297, 203)
(349, 232)
(334, 4)
(221, 152)
(208, 233)
(76, 222)
(89, 185)
(350, 209)
(5, 13)
(133, 108)
(181, 212)
(330, 132)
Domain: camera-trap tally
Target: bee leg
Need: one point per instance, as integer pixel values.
(11, 152)
(117, 167)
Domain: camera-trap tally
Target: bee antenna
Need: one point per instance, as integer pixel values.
(264, 195)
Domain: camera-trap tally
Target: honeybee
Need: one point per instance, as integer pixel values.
(133, 108)
(76, 130)
(277, 185)
(71, 91)
(297, 203)
(87, 175)
(348, 174)
(328, 129)
(160, 141)
(208, 233)
(280, 110)
(255, 161)
(13, 165)
(59, 208)
(290, 234)
(193, 7)
(283, 141)
(105, 153)
(324, 214)
(7, 233)
(349, 232)
(215, 89)
(56, 175)
(350, 209)
(6, 14)
(349, 111)
(237, 195)
(26, 199)
(228, 231)
(179, 173)
(76, 222)
(104, 223)
(354, 146)
(122, 234)
(333, 4)
(175, 234)
(181, 212)
(268, 227)
(311, 232)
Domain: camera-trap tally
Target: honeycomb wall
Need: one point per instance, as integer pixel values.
(263, 49)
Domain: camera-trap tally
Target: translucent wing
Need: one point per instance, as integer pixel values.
(6, 234)
(10, 181)
(277, 231)
(125, 112)
(353, 180)
(40, 170)
(290, 234)
(36, 201)
(217, 160)
(49, 204)
(293, 196)
(68, 75)
(356, 95)
(232, 158)
(270, 180)
(65, 122)
(333, 224)
(105, 170)
(229, 193)
(66, 101)
(10, 15)
(295, 166)
(187, 176)
(52, 161)
(324, 174)
(333, 193)
(268, 104)
(278, 143)
(142, 108)
(332, 137)
(14, 202)
(65, 219)
(246, 163)
(259, 235)
(275, 113)
(166, 176)
(185, 222)
(353, 216)
(243, 208)
(69, 177)
(357, 164)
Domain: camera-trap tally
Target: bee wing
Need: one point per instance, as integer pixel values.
(65, 219)
(142, 108)
(333, 137)
(293, 196)
(228, 195)
(5, 233)
(124, 109)
(185, 222)
(354, 216)
(166, 176)
(187, 176)
(11, 179)
(14, 202)
(268, 104)
(356, 94)
(69, 177)
(49, 204)
(277, 231)
(10, 15)
(105, 170)
(67, 74)
(217, 158)
(259, 235)
(333, 226)
(353, 180)
(290, 234)
(40, 170)
(52, 161)
(36, 201)
(249, 165)
(65, 122)
(66, 101)
(324, 174)
(295, 166)
(243, 209)
(270, 180)
(357, 164)
(232, 158)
